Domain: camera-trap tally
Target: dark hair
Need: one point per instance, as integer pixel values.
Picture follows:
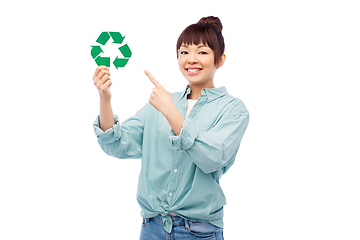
(208, 32)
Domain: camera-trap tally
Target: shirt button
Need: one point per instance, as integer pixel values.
(175, 170)
(170, 194)
(209, 98)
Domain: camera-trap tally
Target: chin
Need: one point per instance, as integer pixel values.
(198, 79)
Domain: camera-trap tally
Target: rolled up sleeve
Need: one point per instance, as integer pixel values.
(123, 140)
(186, 138)
(111, 135)
(216, 148)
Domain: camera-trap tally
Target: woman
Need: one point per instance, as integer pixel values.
(186, 140)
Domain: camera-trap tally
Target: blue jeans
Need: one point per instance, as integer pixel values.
(153, 229)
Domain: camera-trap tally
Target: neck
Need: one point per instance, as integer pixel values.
(196, 90)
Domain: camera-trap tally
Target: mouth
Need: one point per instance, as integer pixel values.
(193, 71)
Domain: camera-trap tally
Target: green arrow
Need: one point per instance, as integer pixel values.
(103, 38)
(120, 62)
(117, 37)
(125, 50)
(96, 50)
(103, 61)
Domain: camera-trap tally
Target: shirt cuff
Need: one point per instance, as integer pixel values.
(111, 135)
(186, 138)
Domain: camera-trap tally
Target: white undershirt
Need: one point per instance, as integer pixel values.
(191, 104)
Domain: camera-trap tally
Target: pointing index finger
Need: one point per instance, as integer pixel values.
(152, 79)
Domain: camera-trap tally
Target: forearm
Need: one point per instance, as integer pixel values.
(106, 115)
(175, 120)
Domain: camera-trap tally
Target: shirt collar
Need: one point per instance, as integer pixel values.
(210, 93)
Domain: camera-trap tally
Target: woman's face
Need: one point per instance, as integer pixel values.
(196, 63)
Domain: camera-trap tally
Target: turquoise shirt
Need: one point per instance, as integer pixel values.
(180, 174)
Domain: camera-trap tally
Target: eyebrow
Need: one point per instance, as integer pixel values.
(199, 46)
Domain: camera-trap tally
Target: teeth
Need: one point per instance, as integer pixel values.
(193, 69)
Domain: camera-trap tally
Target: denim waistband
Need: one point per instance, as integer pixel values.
(169, 222)
(176, 221)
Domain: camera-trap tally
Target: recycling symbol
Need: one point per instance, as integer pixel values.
(117, 39)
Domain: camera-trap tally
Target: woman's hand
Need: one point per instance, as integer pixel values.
(162, 101)
(103, 82)
(160, 98)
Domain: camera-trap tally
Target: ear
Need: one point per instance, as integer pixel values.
(222, 61)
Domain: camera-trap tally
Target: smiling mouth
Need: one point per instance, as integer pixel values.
(193, 71)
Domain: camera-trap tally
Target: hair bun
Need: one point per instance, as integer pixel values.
(215, 21)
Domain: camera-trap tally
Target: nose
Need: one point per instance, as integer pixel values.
(192, 59)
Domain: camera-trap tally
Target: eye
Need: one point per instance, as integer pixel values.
(184, 52)
(202, 53)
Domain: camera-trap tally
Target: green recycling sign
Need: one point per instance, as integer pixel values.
(103, 39)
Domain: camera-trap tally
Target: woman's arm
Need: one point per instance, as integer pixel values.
(175, 120)
(103, 82)
(106, 115)
(162, 101)
(121, 141)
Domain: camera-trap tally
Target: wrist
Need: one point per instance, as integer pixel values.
(170, 111)
(105, 100)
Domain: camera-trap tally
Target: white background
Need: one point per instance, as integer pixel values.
(295, 64)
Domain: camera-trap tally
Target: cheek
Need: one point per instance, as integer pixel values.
(209, 65)
(210, 62)
(181, 62)
(211, 69)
